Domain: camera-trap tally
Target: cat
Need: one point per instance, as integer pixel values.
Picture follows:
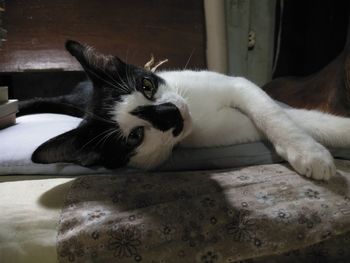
(135, 117)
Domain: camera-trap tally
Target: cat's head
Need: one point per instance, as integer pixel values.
(134, 117)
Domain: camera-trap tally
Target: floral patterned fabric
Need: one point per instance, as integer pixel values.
(206, 216)
(335, 249)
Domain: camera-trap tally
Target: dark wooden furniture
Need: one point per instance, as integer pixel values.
(2, 30)
(133, 29)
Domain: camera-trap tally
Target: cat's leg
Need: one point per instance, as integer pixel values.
(330, 130)
(307, 156)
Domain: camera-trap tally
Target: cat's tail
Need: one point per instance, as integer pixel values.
(328, 129)
(73, 104)
(60, 105)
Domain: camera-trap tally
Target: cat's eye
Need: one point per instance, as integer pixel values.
(135, 136)
(148, 88)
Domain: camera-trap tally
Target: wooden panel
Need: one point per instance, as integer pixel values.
(132, 29)
(2, 31)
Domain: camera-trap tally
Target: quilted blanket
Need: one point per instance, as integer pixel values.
(207, 216)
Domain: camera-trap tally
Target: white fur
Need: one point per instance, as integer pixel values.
(223, 110)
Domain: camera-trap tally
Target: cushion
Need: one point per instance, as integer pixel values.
(18, 142)
(206, 216)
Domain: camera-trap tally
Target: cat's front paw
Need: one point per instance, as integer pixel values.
(310, 159)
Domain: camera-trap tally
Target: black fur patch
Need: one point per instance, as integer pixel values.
(163, 116)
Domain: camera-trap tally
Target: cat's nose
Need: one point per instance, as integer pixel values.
(163, 116)
(171, 117)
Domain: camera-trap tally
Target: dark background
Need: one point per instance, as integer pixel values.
(314, 32)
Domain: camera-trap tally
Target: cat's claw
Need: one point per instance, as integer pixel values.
(313, 161)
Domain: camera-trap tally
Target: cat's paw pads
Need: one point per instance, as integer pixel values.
(315, 162)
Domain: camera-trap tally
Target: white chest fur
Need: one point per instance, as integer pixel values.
(215, 121)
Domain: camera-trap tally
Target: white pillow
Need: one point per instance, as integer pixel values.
(18, 142)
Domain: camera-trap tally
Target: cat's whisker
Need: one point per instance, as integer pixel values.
(104, 139)
(95, 138)
(91, 114)
(126, 57)
(189, 59)
(112, 134)
(181, 92)
(116, 85)
(176, 89)
(124, 86)
(123, 82)
(121, 136)
(105, 72)
(184, 95)
(127, 72)
(113, 85)
(95, 145)
(133, 80)
(98, 76)
(94, 116)
(125, 89)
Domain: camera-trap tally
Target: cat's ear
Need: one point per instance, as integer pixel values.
(96, 65)
(65, 148)
(77, 50)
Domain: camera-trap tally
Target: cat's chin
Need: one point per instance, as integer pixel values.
(188, 127)
(187, 121)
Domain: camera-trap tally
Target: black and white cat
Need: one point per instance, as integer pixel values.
(133, 116)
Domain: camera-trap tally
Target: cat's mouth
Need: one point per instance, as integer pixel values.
(187, 124)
